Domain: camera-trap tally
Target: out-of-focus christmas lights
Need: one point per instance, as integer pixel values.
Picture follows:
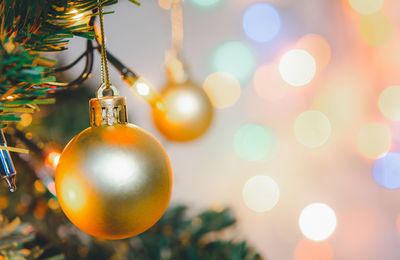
(253, 142)
(145, 89)
(389, 104)
(374, 140)
(386, 171)
(365, 7)
(222, 88)
(317, 221)
(235, 58)
(260, 193)
(261, 22)
(206, 3)
(297, 67)
(338, 105)
(52, 158)
(376, 29)
(312, 128)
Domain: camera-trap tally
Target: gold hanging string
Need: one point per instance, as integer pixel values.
(177, 26)
(174, 65)
(105, 76)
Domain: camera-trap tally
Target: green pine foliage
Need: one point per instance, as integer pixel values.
(200, 237)
(28, 27)
(16, 241)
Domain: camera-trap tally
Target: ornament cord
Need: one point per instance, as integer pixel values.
(177, 26)
(105, 76)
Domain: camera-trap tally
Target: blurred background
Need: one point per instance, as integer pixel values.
(308, 114)
(304, 145)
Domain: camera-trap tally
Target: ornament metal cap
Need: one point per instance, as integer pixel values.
(108, 110)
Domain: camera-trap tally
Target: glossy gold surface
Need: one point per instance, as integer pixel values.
(114, 182)
(188, 112)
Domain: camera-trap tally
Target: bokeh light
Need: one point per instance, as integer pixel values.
(222, 88)
(310, 250)
(317, 221)
(53, 158)
(386, 171)
(206, 3)
(235, 58)
(389, 104)
(318, 47)
(261, 22)
(297, 67)
(374, 140)
(260, 193)
(268, 82)
(26, 120)
(366, 6)
(376, 29)
(312, 128)
(253, 142)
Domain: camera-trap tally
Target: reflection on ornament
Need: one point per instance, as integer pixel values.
(113, 179)
(187, 112)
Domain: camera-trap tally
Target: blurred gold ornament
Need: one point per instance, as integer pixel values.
(114, 179)
(187, 112)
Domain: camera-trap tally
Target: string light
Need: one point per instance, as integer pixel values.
(317, 221)
(145, 89)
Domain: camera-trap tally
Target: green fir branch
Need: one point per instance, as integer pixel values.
(28, 27)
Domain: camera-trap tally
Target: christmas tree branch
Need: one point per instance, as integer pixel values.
(30, 27)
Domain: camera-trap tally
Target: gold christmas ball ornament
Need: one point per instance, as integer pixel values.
(113, 179)
(186, 113)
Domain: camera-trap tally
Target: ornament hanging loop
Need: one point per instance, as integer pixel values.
(103, 87)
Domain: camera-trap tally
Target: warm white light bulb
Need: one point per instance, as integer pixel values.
(142, 87)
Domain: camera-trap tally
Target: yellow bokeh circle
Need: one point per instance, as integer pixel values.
(260, 193)
(365, 7)
(376, 29)
(374, 140)
(389, 104)
(222, 88)
(312, 128)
